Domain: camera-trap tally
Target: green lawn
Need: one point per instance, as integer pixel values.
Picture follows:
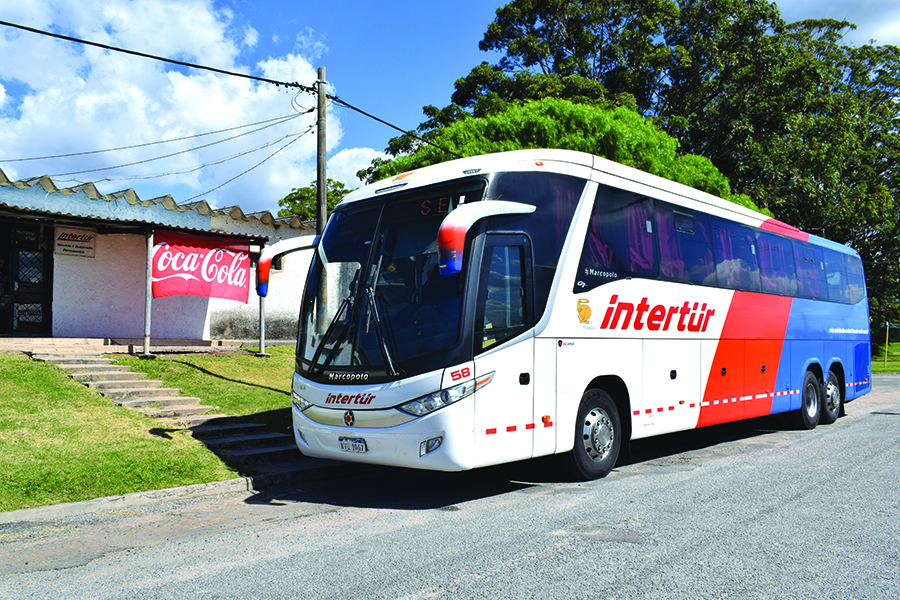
(61, 442)
(893, 359)
(238, 383)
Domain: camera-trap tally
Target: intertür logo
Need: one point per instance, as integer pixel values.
(75, 237)
(689, 316)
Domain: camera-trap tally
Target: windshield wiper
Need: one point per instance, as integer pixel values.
(372, 311)
(347, 301)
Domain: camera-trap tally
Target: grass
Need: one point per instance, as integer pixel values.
(893, 359)
(61, 442)
(237, 383)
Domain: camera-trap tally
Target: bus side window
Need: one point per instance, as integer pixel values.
(503, 308)
(776, 264)
(735, 250)
(810, 271)
(641, 245)
(555, 198)
(836, 276)
(856, 281)
(685, 248)
(619, 240)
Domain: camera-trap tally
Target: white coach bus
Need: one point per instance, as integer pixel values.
(508, 306)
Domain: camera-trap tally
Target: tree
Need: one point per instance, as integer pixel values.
(796, 121)
(619, 134)
(302, 201)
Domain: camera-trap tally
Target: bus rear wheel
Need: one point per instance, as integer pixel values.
(598, 437)
(810, 403)
(831, 401)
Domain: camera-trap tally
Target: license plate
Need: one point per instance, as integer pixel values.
(357, 445)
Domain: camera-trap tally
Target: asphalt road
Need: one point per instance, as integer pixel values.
(746, 510)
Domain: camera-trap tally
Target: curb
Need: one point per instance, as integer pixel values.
(251, 485)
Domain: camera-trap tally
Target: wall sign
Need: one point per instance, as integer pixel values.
(194, 265)
(73, 241)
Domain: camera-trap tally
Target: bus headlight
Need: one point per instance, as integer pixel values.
(300, 402)
(430, 403)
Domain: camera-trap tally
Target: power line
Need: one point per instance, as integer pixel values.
(159, 58)
(305, 88)
(418, 137)
(251, 168)
(280, 120)
(199, 167)
(140, 162)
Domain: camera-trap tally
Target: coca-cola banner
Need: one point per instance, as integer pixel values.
(185, 264)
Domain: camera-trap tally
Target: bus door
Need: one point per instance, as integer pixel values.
(504, 346)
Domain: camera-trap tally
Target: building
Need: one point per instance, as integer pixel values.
(73, 264)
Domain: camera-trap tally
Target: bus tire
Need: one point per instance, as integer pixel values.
(831, 400)
(810, 403)
(598, 437)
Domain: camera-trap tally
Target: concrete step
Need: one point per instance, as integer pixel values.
(58, 356)
(68, 351)
(64, 362)
(262, 455)
(97, 368)
(245, 440)
(98, 376)
(158, 402)
(131, 393)
(117, 384)
(176, 411)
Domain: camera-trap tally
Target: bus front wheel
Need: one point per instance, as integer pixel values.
(598, 437)
(810, 403)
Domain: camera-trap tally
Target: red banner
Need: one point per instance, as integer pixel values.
(193, 265)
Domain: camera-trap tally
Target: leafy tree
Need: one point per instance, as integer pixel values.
(796, 121)
(302, 201)
(619, 134)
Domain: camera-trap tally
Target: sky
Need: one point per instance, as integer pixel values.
(388, 59)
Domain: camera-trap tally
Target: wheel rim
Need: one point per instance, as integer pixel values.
(832, 397)
(811, 400)
(598, 434)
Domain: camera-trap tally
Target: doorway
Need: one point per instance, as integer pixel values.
(26, 269)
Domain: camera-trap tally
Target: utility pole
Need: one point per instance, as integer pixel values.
(321, 187)
(322, 180)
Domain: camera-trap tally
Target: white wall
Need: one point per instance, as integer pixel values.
(104, 296)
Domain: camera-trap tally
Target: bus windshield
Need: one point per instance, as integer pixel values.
(375, 301)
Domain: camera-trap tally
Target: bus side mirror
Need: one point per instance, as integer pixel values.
(276, 251)
(451, 237)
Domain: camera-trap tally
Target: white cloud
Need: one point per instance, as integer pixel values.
(874, 19)
(77, 98)
(311, 43)
(251, 37)
(344, 165)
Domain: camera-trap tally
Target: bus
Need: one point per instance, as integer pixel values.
(514, 305)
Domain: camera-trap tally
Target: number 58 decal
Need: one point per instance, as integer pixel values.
(458, 374)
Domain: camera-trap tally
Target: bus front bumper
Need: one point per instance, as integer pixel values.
(443, 440)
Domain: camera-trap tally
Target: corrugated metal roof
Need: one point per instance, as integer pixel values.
(40, 194)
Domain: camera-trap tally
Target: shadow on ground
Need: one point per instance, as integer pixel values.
(368, 486)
